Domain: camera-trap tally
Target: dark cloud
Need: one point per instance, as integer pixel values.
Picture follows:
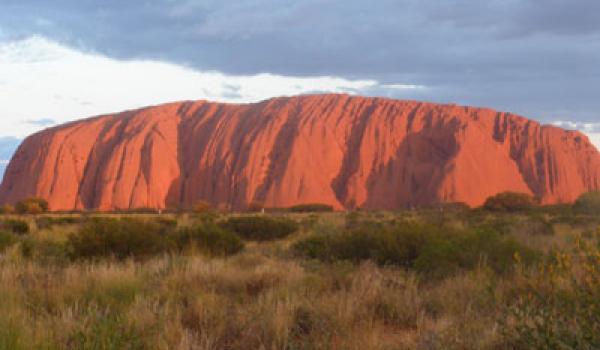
(535, 57)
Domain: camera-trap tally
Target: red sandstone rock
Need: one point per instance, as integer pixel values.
(345, 151)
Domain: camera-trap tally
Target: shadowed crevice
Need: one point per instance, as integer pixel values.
(99, 155)
(351, 161)
(280, 155)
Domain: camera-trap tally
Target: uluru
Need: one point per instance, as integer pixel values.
(345, 151)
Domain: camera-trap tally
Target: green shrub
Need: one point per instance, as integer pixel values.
(167, 224)
(121, 239)
(510, 202)
(309, 222)
(310, 208)
(206, 217)
(260, 228)
(6, 240)
(443, 256)
(559, 307)
(382, 244)
(500, 224)
(352, 219)
(536, 224)
(577, 220)
(555, 210)
(44, 251)
(317, 247)
(431, 250)
(19, 227)
(588, 203)
(209, 239)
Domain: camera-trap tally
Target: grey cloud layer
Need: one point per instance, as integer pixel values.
(535, 57)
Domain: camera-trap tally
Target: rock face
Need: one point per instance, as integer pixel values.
(345, 151)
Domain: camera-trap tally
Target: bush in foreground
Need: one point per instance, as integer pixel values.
(384, 245)
(429, 249)
(141, 239)
(121, 239)
(260, 228)
(445, 256)
(536, 224)
(559, 305)
(7, 239)
(209, 239)
(19, 227)
(45, 251)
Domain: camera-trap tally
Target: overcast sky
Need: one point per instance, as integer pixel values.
(66, 59)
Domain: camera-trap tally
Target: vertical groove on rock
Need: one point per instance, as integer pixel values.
(59, 156)
(279, 155)
(351, 159)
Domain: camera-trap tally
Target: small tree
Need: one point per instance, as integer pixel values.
(32, 206)
(588, 203)
(510, 201)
